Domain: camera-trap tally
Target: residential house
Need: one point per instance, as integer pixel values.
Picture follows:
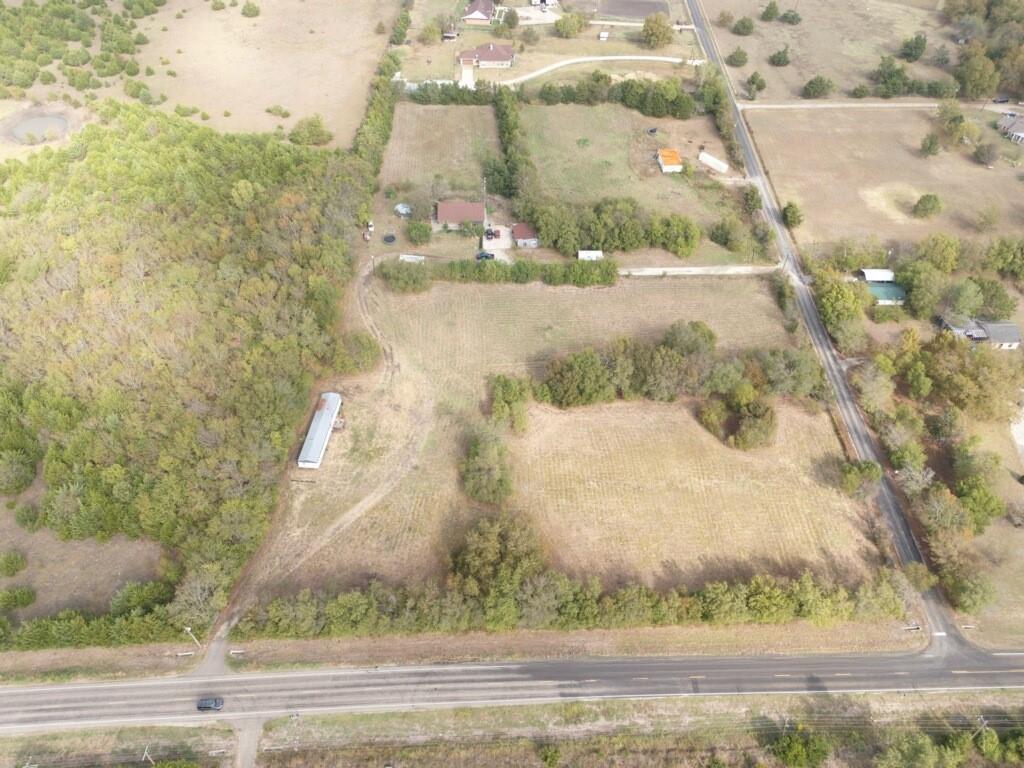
(525, 236)
(590, 255)
(999, 335)
(454, 213)
(1012, 127)
(670, 161)
(488, 56)
(479, 13)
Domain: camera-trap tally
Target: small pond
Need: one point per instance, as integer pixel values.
(40, 128)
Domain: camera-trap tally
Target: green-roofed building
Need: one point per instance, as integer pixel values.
(887, 294)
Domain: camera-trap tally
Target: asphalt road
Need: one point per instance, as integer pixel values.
(258, 696)
(940, 622)
(948, 664)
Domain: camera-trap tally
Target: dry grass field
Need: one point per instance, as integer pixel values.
(439, 149)
(840, 39)
(588, 153)
(642, 490)
(73, 574)
(858, 173)
(387, 503)
(309, 56)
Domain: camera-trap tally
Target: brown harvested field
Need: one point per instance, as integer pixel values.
(440, 149)
(74, 574)
(309, 56)
(638, 490)
(858, 173)
(840, 39)
(387, 503)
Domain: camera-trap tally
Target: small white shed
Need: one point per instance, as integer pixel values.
(713, 162)
(590, 255)
(411, 258)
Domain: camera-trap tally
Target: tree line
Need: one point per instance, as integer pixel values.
(498, 581)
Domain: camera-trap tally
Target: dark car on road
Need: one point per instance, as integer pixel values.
(210, 704)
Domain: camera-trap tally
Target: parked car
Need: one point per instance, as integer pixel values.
(1001, 100)
(485, 256)
(210, 704)
(490, 234)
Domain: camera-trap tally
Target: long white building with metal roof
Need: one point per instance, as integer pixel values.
(320, 429)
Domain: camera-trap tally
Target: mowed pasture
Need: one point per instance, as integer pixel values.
(82, 575)
(440, 148)
(587, 153)
(842, 40)
(858, 172)
(308, 56)
(655, 496)
(387, 503)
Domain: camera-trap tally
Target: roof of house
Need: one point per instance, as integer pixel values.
(489, 52)
(887, 292)
(458, 211)
(669, 157)
(878, 275)
(1011, 124)
(962, 325)
(1001, 333)
(484, 7)
(315, 445)
(523, 232)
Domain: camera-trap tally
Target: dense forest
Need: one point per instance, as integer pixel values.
(167, 295)
(37, 39)
(993, 56)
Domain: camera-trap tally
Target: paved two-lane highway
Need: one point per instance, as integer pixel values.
(26, 709)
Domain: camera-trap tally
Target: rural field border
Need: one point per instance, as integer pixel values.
(945, 635)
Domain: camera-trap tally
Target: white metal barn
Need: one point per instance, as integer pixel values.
(877, 275)
(713, 162)
(590, 255)
(320, 429)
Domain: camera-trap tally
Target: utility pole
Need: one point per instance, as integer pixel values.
(146, 756)
(982, 725)
(188, 631)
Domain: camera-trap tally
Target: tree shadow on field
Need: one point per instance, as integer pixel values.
(825, 566)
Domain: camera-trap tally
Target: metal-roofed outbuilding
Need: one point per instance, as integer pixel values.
(320, 429)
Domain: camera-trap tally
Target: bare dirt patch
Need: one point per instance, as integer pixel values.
(840, 39)
(858, 173)
(74, 574)
(309, 56)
